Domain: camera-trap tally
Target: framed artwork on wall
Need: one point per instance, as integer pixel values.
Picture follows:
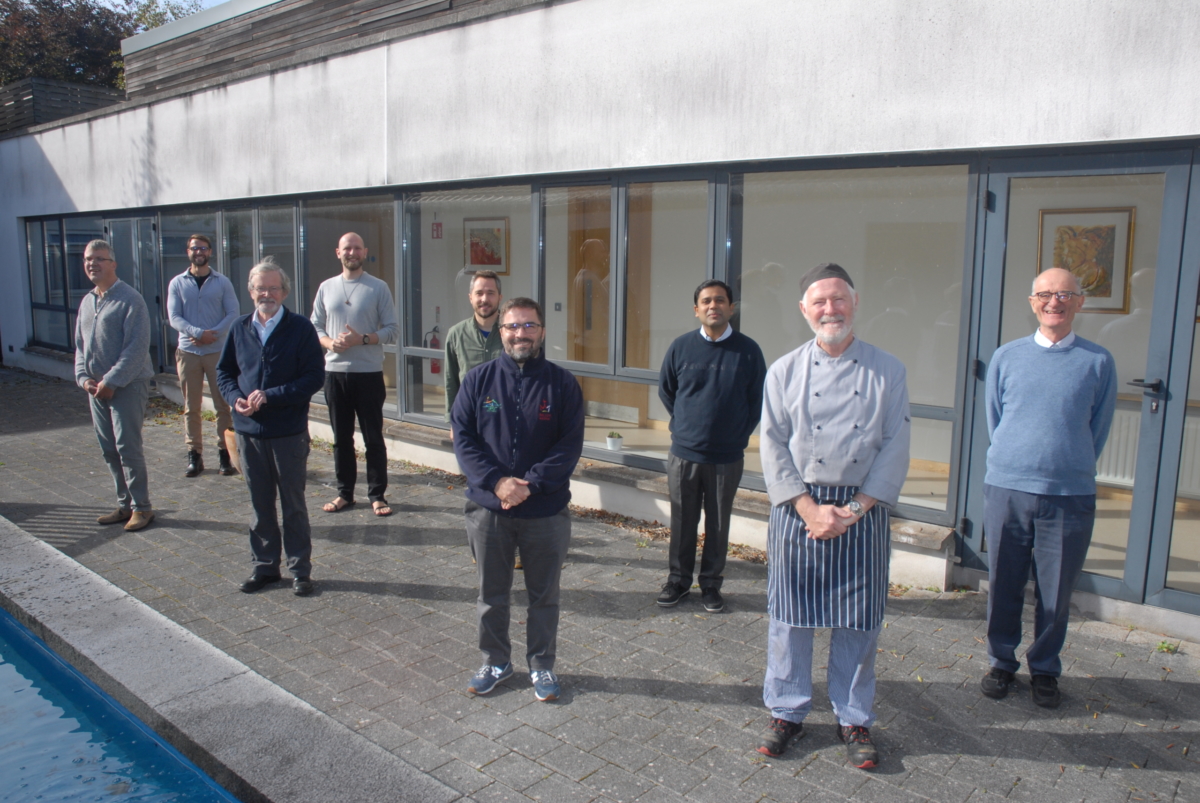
(485, 242)
(1094, 244)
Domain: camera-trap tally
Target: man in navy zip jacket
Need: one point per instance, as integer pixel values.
(270, 367)
(518, 433)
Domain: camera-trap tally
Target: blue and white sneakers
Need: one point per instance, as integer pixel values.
(545, 684)
(488, 676)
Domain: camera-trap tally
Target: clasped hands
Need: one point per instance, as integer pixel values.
(98, 389)
(823, 522)
(209, 337)
(346, 339)
(511, 492)
(251, 404)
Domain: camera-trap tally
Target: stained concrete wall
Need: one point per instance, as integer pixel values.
(598, 84)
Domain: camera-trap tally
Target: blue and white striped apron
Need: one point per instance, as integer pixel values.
(841, 582)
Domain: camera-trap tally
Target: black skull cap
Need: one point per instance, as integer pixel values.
(826, 270)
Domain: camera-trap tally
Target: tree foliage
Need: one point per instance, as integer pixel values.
(76, 40)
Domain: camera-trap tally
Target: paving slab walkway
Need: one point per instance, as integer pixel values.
(658, 705)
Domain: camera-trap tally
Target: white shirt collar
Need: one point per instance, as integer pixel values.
(728, 333)
(265, 329)
(1045, 343)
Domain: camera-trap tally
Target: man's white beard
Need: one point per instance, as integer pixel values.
(832, 338)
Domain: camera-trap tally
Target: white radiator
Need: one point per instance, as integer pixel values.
(1119, 459)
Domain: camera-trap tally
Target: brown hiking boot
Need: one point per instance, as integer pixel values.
(116, 517)
(139, 520)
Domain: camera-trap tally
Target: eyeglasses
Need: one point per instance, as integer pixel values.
(516, 327)
(94, 260)
(200, 249)
(1063, 296)
(272, 290)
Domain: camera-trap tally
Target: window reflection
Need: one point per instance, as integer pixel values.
(578, 237)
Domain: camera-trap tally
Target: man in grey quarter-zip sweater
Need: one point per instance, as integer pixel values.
(112, 363)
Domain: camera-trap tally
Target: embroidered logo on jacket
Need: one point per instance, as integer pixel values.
(490, 405)
(544, 410)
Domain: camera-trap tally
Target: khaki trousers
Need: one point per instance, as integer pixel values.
(193, 368)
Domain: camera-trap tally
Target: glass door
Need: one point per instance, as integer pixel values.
(135, 249)
(1118, 228)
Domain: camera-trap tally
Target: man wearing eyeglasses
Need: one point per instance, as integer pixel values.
(201, 305)
(112, 363)
(518, 433)
(271, 366)
(1050, 402)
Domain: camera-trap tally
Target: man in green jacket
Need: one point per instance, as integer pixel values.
(475, 340)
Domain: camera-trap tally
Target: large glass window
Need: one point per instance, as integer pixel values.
(80, 231)
(277, 235)
(39, 286)
(578, 241)
(239, 254)
(451, 235)
(900, 233)
(324, 222)
(174, 232)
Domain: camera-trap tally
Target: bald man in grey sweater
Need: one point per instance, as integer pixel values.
(112, 363)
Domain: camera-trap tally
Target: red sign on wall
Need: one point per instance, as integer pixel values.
(436, 232)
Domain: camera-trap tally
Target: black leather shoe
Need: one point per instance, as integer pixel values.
(712, 600)
(258, 582)
(671, 594)
(302, 586)
(1044, 689)
(996, 683)
(226, 469)
(195, 464)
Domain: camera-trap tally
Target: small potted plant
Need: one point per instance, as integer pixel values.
(614, 441)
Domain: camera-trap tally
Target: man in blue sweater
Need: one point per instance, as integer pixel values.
(711, 382)
(518, 433)
(1050, 402)
(270, 367)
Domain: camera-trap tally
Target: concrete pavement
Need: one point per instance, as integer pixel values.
(658, 705)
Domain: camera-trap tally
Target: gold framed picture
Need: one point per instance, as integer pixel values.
(1094, 244)
(485, 243)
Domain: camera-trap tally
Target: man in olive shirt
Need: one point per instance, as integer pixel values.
(475, 340)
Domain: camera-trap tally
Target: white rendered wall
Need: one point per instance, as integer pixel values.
(601, 84)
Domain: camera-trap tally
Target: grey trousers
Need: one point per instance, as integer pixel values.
(694, 487)
(277, 466)
(543, 543)
(118, 424)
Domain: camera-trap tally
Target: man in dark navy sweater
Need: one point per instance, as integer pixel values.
(518, 433)
(711, 382)
(270, 367)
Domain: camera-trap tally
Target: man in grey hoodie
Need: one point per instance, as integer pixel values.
(112, 363)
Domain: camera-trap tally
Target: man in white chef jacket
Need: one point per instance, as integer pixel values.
(834, 439)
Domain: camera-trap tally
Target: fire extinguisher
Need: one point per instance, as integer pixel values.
(431, 341)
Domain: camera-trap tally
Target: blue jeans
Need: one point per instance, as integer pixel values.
(787, 687)
(118, 424)
(1051, 535)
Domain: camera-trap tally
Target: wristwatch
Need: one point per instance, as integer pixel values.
(366, 340)
(855, 507)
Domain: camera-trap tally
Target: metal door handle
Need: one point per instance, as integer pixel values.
(1154, 385)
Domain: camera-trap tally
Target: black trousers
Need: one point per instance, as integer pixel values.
(275, 468)
(696, 486)
(348, 395)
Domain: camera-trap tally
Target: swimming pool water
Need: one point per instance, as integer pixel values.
(63, 739)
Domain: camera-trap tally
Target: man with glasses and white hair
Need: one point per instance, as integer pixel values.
(835, 438)
(518, 433)
(271, 366)
(112, 363)
(1050, 403)
(201, 305)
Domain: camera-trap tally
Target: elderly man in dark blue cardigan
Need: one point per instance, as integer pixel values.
(270, 367)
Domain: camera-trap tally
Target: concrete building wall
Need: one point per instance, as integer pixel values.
(602, 84)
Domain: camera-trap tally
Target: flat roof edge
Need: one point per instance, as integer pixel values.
(192, 23)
